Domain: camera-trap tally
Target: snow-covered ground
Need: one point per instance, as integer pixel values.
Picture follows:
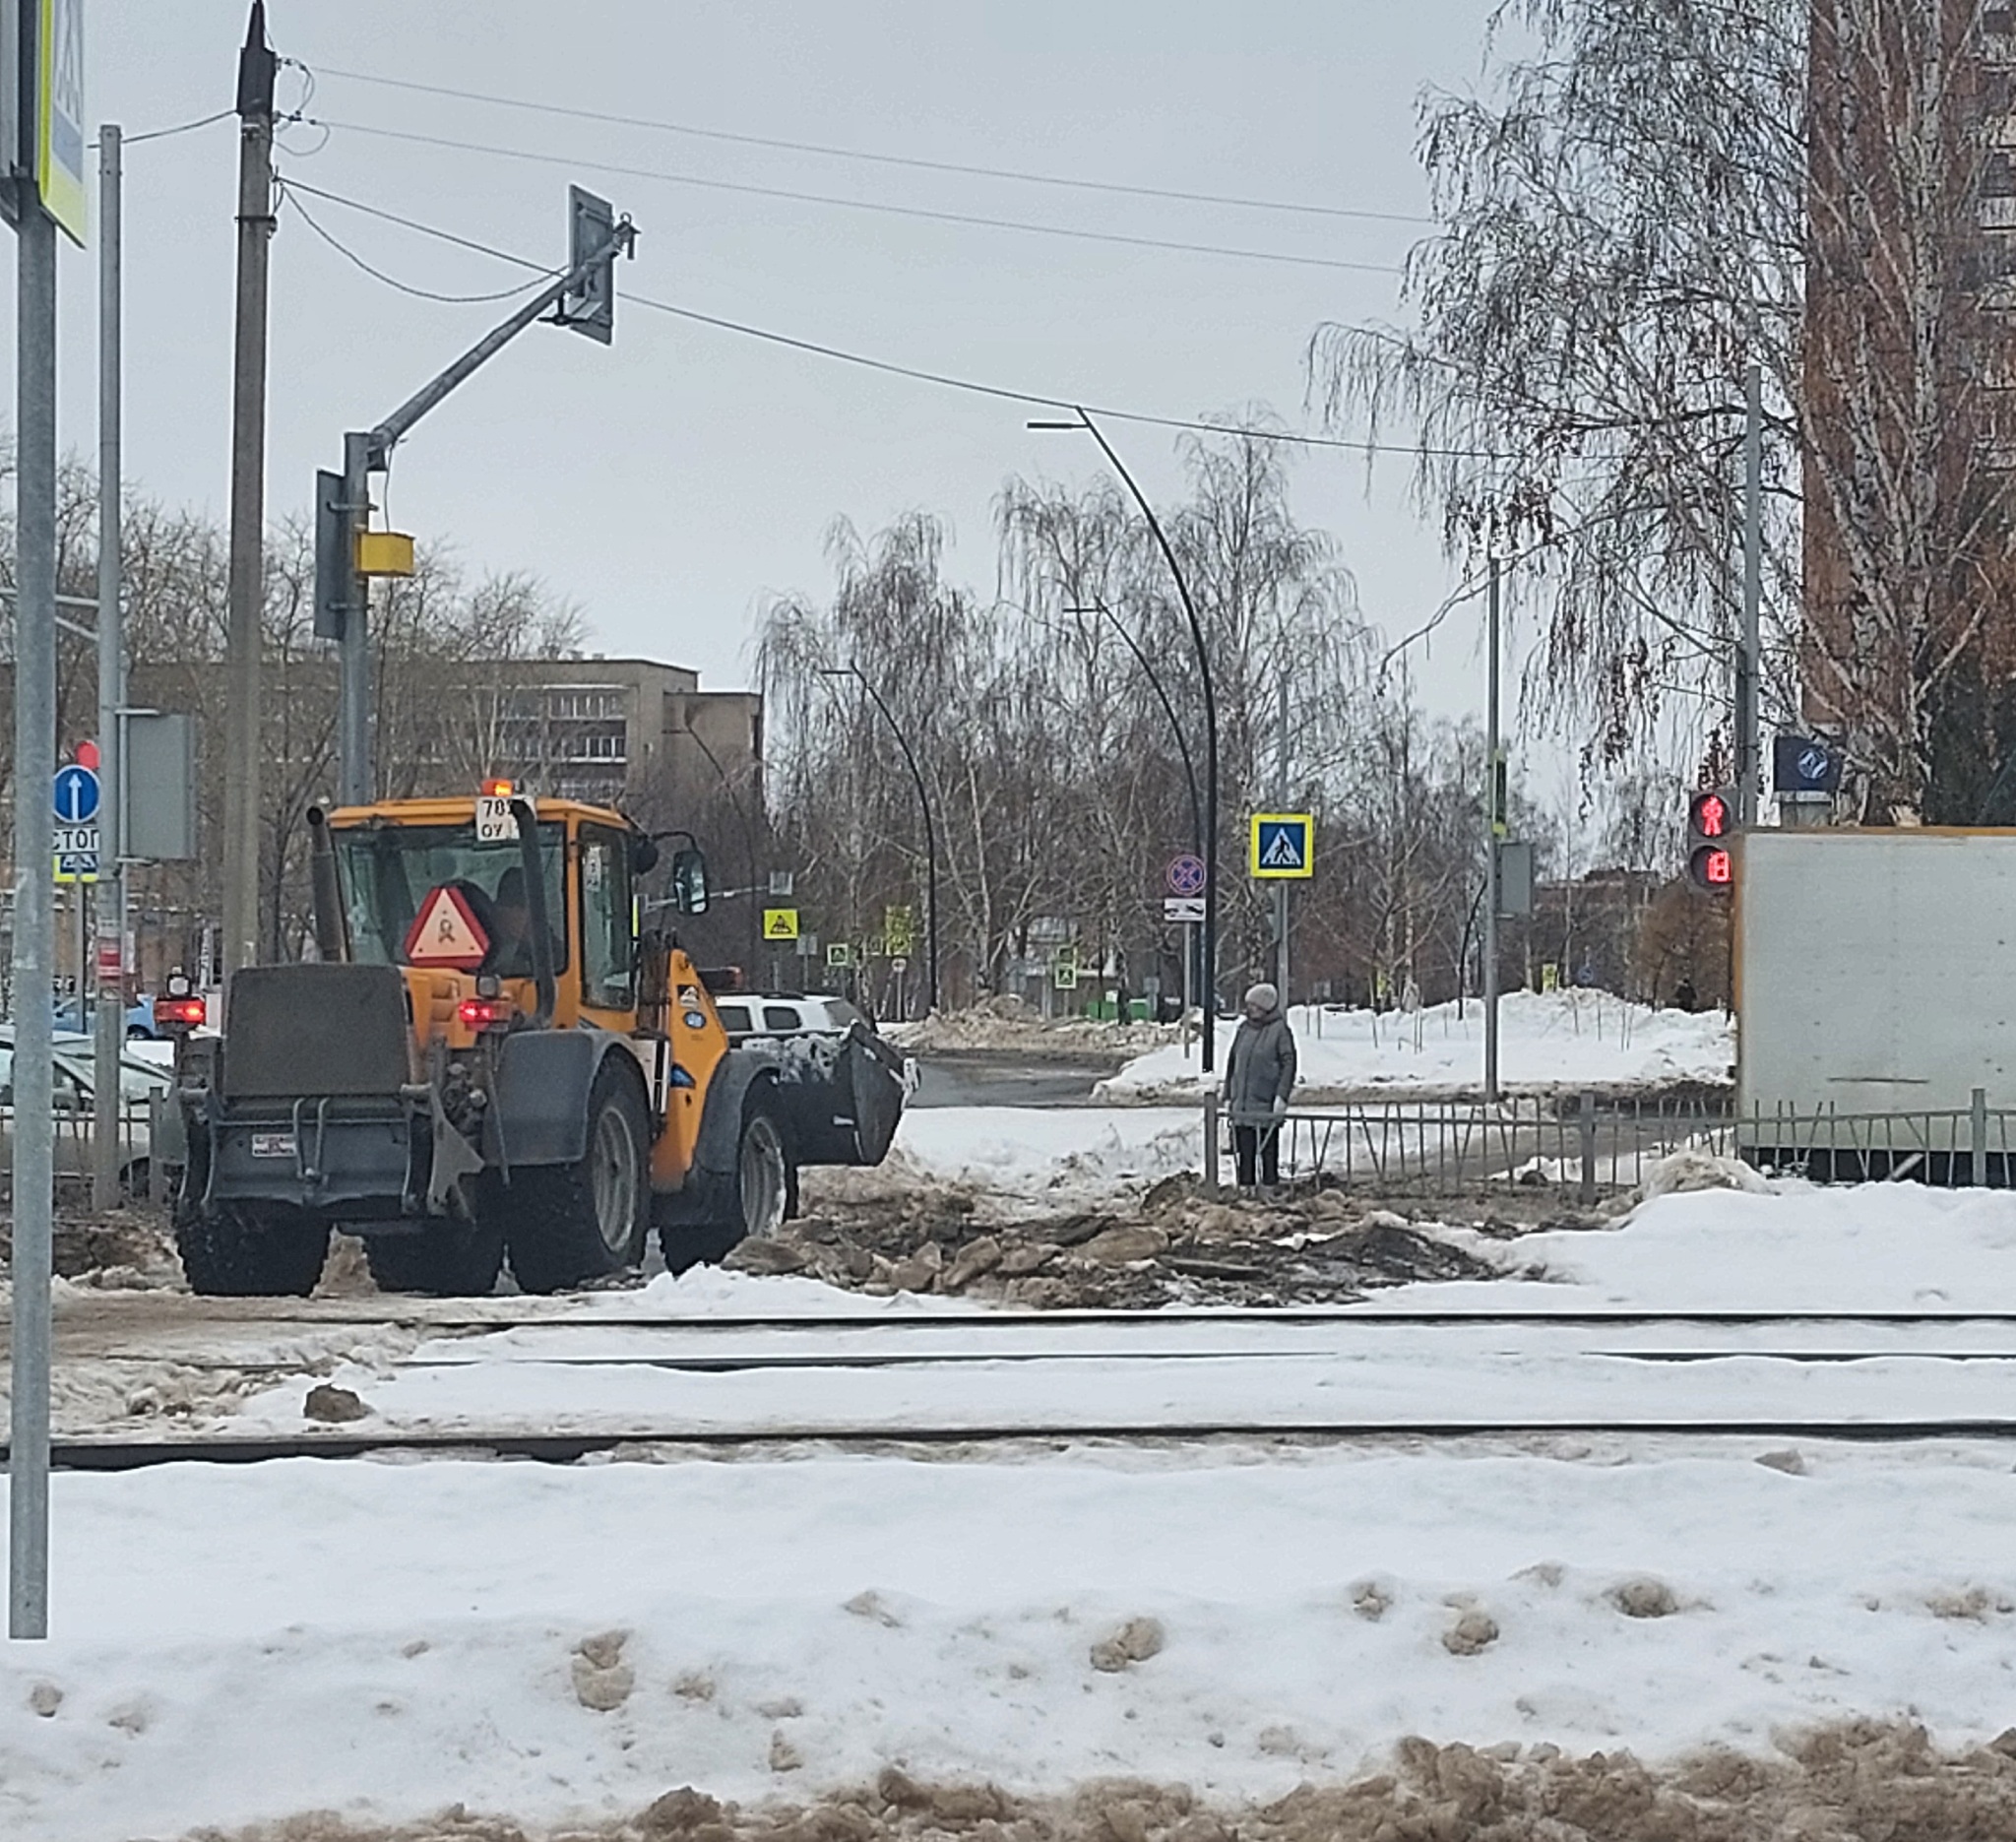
(385, 1641)
(1066, 1156)
(1554, 1040)
(565, 1643)
(1875, 1250)
(1789, 1246)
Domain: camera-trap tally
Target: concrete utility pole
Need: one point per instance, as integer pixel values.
(1282, 793)
(112, 888)
(35, 920)
(1749, 751)
(1495, 825)
(257, 67)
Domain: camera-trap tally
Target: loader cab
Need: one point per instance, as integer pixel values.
(389, 863)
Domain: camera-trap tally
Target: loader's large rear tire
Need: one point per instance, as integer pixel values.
(564, 1224)
(754, 1202)
(253, 1251)
(447, 1260)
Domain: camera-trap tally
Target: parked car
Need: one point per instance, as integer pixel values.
(74, 1100)
(747, 1014)
(140, 1023)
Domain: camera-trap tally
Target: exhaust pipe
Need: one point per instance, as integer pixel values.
(535, 903)
(331, 937)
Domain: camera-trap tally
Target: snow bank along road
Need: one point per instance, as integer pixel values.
(560, 1644)
(564, 1643)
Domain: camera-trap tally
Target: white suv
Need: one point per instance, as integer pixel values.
(747, 1014)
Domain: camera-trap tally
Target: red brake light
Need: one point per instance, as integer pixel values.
(179, 1013)
(486, 1013)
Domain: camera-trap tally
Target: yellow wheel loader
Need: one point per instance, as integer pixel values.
(502, 1053)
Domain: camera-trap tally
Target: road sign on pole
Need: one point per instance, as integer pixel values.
(1280, 846)
(1186, 875)
(76, 790)
(1188, 909)
(76, 854)
(780, 923)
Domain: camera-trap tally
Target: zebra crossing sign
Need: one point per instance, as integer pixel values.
(1280, 846)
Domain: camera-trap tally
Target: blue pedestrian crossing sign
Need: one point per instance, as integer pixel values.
(1283, 845)
(76, 794)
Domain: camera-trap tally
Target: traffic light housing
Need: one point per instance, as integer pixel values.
(1711, 837)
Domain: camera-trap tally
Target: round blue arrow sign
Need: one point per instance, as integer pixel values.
(77, 796)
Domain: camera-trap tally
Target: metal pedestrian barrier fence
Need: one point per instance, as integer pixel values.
(74, 1150)
(1600, 1144)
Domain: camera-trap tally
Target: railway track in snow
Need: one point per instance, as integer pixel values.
(566, 1448)
(538, 1387)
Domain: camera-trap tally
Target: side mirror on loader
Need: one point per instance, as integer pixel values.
(689, 882)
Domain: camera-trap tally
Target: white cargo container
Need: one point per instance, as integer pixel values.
(1876, 970)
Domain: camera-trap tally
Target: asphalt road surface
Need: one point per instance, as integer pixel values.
(1001, 1078)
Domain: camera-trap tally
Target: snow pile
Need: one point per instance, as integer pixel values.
(1007, 1023)
(1547, 1041)
(1791, 1247)
(568, 1644)
(709, 1294)
(1063, 1157)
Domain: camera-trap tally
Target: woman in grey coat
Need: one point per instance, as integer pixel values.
(1259, 1077)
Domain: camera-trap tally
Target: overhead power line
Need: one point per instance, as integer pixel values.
(825, 151)
(968, 220)
(891, 368)
(181, 127)
(290, 195)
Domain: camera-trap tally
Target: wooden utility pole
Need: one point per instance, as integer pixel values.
(257, 67)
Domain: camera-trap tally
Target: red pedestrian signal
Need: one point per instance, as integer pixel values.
(1710, 815)
(1711, 825)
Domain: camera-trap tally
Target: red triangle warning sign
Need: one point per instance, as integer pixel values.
(447, 934)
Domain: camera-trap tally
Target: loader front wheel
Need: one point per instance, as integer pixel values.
(253, 1251)
(763, 1174)
(569, 1223)
(751, 1202)
(449, 1260)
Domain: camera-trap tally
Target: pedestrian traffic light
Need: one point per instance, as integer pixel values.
(1711, 830)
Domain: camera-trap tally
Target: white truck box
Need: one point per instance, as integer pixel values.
(1876, 970)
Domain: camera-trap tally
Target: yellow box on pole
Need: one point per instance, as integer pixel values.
(384, 553)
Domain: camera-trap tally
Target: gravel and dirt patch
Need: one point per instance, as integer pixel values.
(1860, 1778)
(1319, 1244)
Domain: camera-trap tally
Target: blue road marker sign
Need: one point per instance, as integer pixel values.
(76, 794)
(1280, 845)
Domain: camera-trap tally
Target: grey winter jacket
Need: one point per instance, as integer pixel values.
(1261, 1069)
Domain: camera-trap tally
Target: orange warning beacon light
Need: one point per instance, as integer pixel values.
(498, 789)
(446, 933)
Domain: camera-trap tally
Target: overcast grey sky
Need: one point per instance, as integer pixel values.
(671, 482)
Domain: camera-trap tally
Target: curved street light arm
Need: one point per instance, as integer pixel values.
(1210, 942)
(930, 828)
(1169, 710)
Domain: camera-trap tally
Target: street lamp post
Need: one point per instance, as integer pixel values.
(1209, 947)
(930, 828)
(1197, 832)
